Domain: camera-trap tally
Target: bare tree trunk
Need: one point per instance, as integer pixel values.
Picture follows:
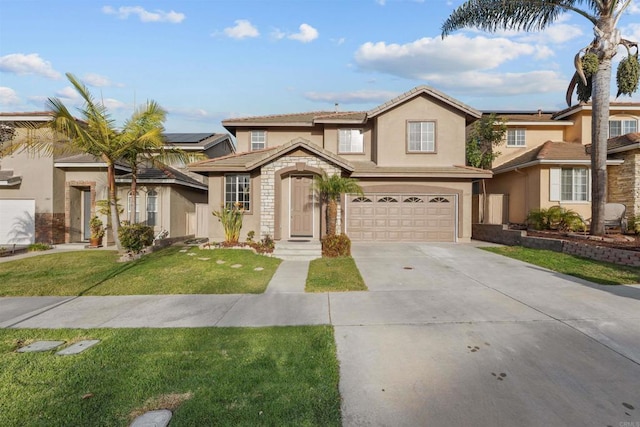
(134, 195)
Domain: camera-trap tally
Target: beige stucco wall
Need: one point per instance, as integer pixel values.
(391, 134)
(535, 136)
(528, 189)
(331, 142)
(278, 136)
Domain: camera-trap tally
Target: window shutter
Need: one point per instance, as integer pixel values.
(554, 184)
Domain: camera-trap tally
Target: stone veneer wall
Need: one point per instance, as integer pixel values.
(624, 182)
(50, 227)
(502, 235)
(267, 187)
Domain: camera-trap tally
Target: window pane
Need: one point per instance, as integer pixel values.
(615, 128)
(258, 139)
(237, 190)
(630, 126)
(152, 207)
(574, 185)
(515, 137)
(422, 136)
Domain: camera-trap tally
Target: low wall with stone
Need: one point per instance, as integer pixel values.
(503, 235)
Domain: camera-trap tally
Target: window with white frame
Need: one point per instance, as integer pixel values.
(258, 139)
(237, 189)
(350, 141)
(421, 137)
(619, 127)
(130, 207)
(152, 208)
(569, 184)
(515, 138)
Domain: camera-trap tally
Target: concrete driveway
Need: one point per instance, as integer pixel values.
(453, 335)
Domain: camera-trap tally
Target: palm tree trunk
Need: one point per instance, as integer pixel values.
(332, 216)
(115, 219)
(607, 44)
(134, 194)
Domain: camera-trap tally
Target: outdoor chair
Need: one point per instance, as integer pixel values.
(614, 217)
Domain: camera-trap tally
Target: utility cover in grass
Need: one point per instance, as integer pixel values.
(159, 418)
(236, 266)
(220, 261)
(40, 346)
(78, 347)
(258, 269)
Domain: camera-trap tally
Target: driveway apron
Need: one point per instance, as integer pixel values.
(453, 335)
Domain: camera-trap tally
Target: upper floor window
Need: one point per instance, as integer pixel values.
(152, 208)
(237, 189)
(515, 138)
(258, 139)
(622, 127)
(350, 141)
(421, 137)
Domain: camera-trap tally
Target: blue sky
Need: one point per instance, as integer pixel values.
(205, 61)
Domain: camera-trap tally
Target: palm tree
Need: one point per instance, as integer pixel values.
(330, 188)
(142, 137)
(491, 15)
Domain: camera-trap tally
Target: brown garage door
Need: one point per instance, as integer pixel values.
(401, 217)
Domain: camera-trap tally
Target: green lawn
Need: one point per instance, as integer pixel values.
(168, 271)
(285, 376)
(334, 275)
(594, 271)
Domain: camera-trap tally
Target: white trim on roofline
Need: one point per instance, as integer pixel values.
(624, 148)
(555, 162)
(549, 123)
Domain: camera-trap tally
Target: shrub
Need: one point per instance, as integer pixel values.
(555, 218)
(135, 237)
(231, 219)
(36, 247)
(336, 245)
(264, 246)
(634, 225)
(96, 227)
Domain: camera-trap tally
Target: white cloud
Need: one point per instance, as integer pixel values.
(555, 34)
(145, 16)
(114, 104)
(23, 64)
(381, 2)
(8, 96)
(68, 93)
(355, 97)
(276, 34)
(633, 9)
(499, 84)
(96, 80)
(339, 41)
(456, 53)
(307, 34)
(242, 30)
(631, 32)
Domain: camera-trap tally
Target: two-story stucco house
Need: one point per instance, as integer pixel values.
(51, 198)
(408, 155)
(545, 160)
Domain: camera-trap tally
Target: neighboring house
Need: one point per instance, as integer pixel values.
(624, 180)
(544, 161)
(52, 198)
(408, 155)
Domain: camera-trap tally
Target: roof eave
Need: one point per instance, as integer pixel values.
(163, 181)
(552, 162)
(624, 148)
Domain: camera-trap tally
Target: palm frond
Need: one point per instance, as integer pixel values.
(519, 15)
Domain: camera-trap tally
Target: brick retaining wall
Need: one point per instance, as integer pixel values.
(502, 235)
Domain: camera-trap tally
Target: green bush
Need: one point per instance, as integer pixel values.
(135, 237)
(231, 218)
(336, 245)
(35, 247)
(555, 218)
(265, 246)
(634, 225)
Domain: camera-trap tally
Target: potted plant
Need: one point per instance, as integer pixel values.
(97, 232)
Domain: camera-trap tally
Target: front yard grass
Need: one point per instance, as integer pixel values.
(167, 271)
(603, 273)
(334, 275)
(286, 376)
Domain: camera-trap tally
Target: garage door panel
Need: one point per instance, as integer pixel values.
(392, 217)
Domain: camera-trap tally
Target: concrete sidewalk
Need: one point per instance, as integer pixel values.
(447, 334)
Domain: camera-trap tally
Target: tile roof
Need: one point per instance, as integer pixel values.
(524, 116)
(587, 106)
(623, 141)
(163, 174)
(186, 138)
(253, 159)
(370, 169)
(549, 152)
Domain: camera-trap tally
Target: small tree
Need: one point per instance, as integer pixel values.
(231, 218)
(485, 136)
(330, 188)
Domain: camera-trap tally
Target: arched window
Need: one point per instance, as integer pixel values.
(130, 207)
(152, 208)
